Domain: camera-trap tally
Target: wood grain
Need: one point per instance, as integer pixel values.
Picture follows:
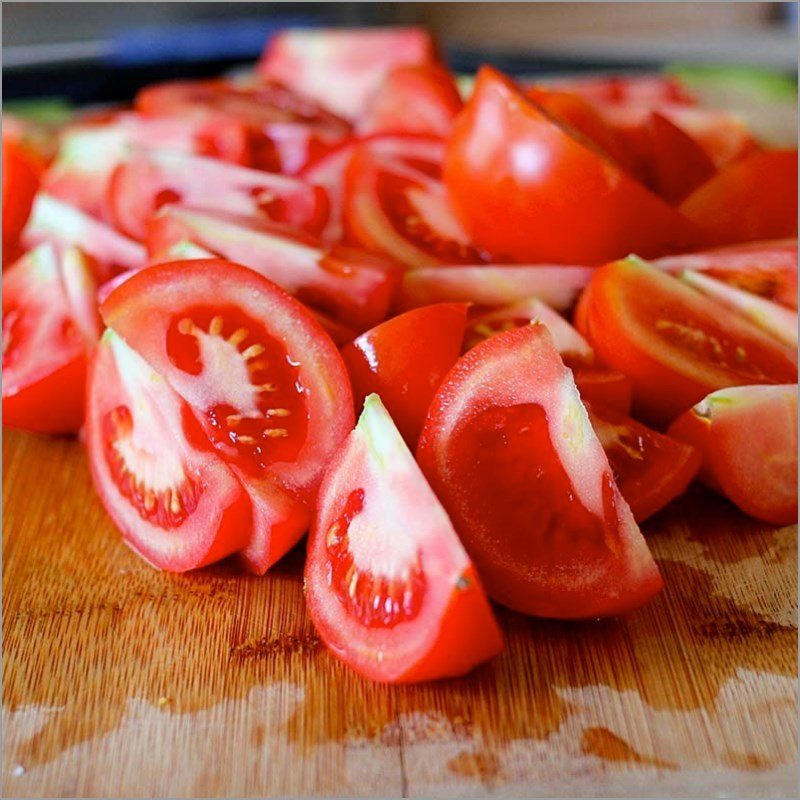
(120, 680)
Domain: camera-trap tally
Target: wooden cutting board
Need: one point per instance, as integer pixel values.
(120, 680)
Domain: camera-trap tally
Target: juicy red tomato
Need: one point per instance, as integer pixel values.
(356, 287)
(342, 68)
(768, 269)
(748, 438)
(413, 99)
(394, 209)
(50, 326)
(646, 90)
(674, 344)
(525, 188)
(405, 359)
(20, 182)
(151, 179)
(755, 198)
(388, 584)
(509, 450)
(265, 382)
(650, 469)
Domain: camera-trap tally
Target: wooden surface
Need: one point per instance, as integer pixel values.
(119, 680)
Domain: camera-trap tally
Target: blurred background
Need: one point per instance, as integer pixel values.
(94, 52)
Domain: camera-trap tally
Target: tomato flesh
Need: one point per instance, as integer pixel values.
(20, 183)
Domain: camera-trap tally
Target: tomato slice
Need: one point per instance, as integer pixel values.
(647, 90)
(397, 602)
(177, 505)
(394, 209)
(494, 285)
(64, 225)
(526, 189)
(342, 68)
(748, 438)
(50, 326)
(421, 98)
(150, 179)
(766, 268)
(20, 183)
(754, 198)
(509, 450)
(405, 359)
(355, 287)
(675, 344)
(651, 469)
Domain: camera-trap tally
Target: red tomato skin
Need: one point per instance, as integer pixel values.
(663, 389)
(20, 182)
(404, 360)
(604, 387)
(754, 198)
(521, 185)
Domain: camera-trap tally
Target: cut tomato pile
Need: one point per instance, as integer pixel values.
(551, 307)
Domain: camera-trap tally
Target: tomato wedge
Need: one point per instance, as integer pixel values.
(413, 99)
(20, 183)
(640, 90)
(397, 602)
(178, 506)
(748, 438)
(494, 285)
(767, 268)
(64, 225)
(528, 190)
(50, 326)
(675, 344)
(392, 208)
(650, 469)
(509, 450)
(150, 179)
(754, 198)
(342, 68)
(265, 382)
(405, 359)
(355, 287)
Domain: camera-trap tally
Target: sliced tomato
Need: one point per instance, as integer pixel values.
(675, 344)
(389, 586)
(64, 225)
(493, 285)
(651, 469)
(39, 140)
(648, 89)
(20, 183)
(526, 189)
(748, 438)
(405, 359)
(50, 326)
(605, 387)
(392, 208)
(266, 383)
(510, 452)
(355, 287)
(765, 268)
(150, 179)
(754, 198)
(342, 68)
(421, 98)
(178, 505)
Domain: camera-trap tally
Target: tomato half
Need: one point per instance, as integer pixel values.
(675, 344)
(754, 198)
(176, 503)
(50, 326)
(509, 450)
(413, 99)
(150, 179)
(354, 286)
(266, 383)
(342, 68)
(392, 208)
(405, 359)
(389, 586)
(766, 268)
(20, 183)
(650, 469)
(526, 189)
(748, 438)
